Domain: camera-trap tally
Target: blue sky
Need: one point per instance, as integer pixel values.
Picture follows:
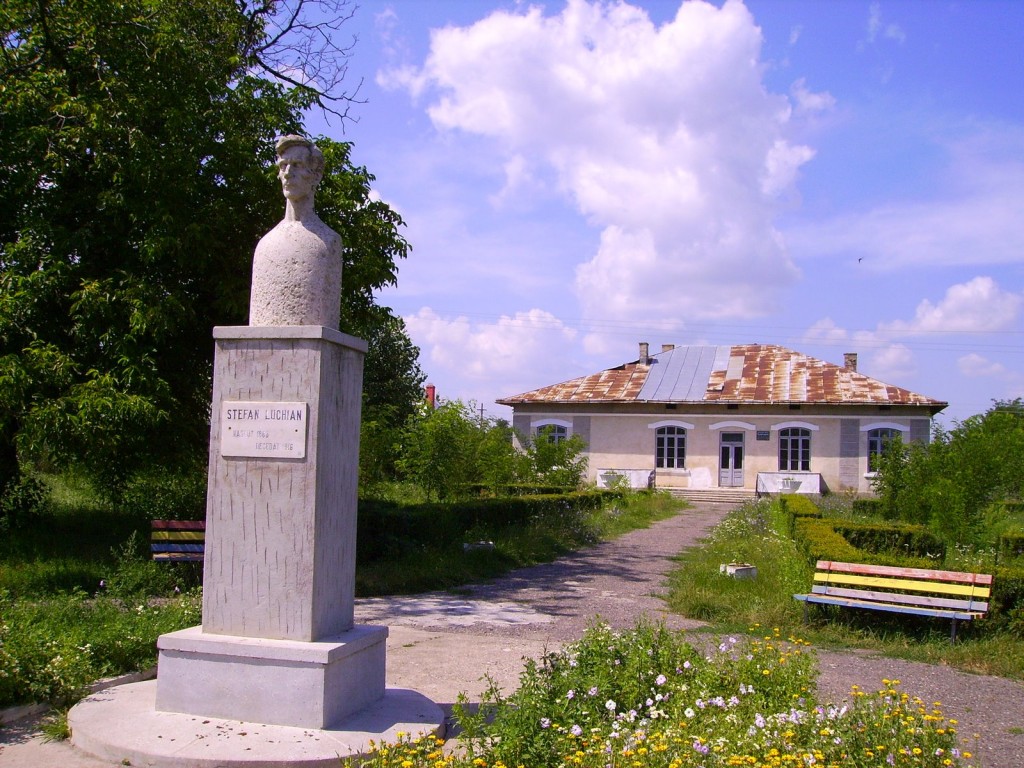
(579, 176)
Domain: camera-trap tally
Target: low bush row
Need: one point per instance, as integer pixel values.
(387, 529)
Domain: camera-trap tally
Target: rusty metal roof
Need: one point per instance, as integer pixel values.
(743, 373)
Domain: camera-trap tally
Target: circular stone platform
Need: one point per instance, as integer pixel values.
(122, 725)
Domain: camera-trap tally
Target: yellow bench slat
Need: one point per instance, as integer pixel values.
(903, 584)
(179, 535)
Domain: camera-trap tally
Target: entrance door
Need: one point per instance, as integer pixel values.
(730, 470)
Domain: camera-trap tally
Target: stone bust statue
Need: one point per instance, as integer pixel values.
(296, 270)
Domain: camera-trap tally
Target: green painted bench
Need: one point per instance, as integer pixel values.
(919, 591)
(177, 541)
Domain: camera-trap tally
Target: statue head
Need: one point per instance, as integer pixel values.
(300, 166)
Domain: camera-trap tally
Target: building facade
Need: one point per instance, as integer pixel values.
(754, 417)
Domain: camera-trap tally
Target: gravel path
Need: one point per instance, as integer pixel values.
(620, 581)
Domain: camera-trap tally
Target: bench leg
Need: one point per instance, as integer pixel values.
(952, 636)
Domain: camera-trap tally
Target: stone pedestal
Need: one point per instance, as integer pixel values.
(278, 682)
(281, 529)
(277, 644)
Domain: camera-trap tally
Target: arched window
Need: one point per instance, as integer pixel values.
(878, 444)
(670, 447)
(794, 449)
(555, 433)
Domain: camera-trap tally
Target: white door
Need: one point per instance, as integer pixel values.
(730, 469)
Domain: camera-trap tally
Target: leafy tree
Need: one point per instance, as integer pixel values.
(951, 482)
(449, 449)
(557, 462)
(136, 176)
(439, 449)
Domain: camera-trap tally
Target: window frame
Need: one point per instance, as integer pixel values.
(670, 438)
(878, 443)
(795, 449)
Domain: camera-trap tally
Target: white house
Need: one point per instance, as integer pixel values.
(751, 416)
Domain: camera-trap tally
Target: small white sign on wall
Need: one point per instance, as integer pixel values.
(256, 430)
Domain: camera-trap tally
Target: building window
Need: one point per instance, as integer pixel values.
(878, 444)
(795, 450)
(670, 447)
(555, 433)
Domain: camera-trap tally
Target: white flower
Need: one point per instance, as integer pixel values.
(610, 705)
(659, 680)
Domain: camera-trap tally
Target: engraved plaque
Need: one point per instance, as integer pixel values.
(251, 430)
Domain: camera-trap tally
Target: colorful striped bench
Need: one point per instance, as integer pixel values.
(920, 591)
(178, 540)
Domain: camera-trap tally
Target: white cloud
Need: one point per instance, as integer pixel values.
(825, 330)
(978, 305)
(808, 101)
(976, 366)
(876, 26)
(512, 354)
(664, 137)
(891, 363)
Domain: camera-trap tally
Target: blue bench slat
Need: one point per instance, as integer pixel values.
(889, 607)
(172, 547)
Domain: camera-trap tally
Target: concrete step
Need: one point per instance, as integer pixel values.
(714, 495)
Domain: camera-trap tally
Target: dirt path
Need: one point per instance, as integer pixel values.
(620, 580)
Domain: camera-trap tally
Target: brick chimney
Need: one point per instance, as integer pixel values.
(667, 347)
(850, 361)
(431, 395)
(645, 356)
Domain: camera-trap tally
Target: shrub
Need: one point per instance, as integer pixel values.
(868, 507)
(160, 494)
(20, 501)
(50, 650)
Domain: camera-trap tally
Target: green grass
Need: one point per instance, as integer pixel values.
(755, 534)
(70, 545)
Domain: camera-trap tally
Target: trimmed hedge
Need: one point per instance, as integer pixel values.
(1011, 545)
(894, 539)
(388, 530)
(1007, 591)
(799, 506)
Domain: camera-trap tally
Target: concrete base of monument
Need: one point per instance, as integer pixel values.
(279, 682)
(123, 726)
